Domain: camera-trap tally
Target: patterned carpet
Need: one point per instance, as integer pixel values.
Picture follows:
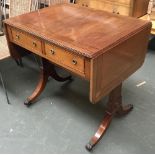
(4, 51)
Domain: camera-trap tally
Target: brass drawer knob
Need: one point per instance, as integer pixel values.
(17, 37)
(74, 62)
(52, 51)
(34, 44)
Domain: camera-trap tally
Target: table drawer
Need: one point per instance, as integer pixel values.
(83, 3)
(118, 9)
(64, 58)
(124, 10)
(27, 41)
(125, 2)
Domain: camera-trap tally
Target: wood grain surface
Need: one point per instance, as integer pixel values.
(82, 30)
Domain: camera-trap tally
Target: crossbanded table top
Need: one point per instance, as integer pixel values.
(82, 30)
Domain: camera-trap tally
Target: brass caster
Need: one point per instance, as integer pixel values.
(89, 147)
(27, 103)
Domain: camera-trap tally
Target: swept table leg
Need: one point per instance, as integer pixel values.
(114, 106)
(56, 77)
(46, 71)
(19, 62)
(100, 132)
(40, 87)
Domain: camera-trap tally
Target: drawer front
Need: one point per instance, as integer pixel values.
(125, 2)
(110, 7)
(84, 3)
(121, 7)
(98, 5)
(124, 10)
(27, 41)
(64, 58)
(122, 2)
(115, 8)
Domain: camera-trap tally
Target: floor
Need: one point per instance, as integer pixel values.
(63, 120)
(4, 51)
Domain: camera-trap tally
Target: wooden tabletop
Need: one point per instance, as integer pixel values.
(83, 30)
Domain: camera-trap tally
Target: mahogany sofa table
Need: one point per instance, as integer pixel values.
(98, 46)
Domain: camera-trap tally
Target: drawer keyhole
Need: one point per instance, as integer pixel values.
(52, 51)
(17, 37)
(74, 62)
(34, 44)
